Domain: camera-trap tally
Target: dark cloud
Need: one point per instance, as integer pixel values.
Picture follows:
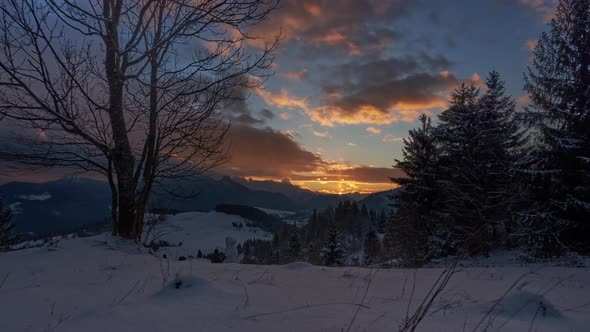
(267, 114)
(237, 110)
(267, 152)
(324, 28)
(384, 90)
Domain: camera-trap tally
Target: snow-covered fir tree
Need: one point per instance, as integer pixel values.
(372, 247)
(7, 237)
(294, 245)
(334, 250)
(558, 83)
(479, 140)
(410, 232)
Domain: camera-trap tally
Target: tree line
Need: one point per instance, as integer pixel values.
(488, 175)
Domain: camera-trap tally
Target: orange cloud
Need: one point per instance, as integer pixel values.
(368, 114)
(478, 81)
(544, 7)
(390, 138)
(530, 44)
(282, 99)
(295, 75)
(374, 131)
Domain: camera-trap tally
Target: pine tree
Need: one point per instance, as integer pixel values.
(372, 247)
(381, 222)
(389, 238)
(559, 87)
(334, 249)
(411, 228)
(7, 237)
(294, 245)
(276, 257)
(479, 140)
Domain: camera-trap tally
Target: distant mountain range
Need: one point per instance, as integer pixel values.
(71, 203)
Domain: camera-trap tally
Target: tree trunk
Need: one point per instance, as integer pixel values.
(122, 155)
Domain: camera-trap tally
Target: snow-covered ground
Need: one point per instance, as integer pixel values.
(278, 213)
(105, 284)
(205, 231)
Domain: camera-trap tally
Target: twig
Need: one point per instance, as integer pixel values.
(307, 306)
(534, 317)
(247, 299)
(129, 293)
(358, 308)
(260, 277)
(4, 279)
(493, 307)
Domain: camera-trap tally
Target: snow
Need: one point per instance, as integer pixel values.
(205, 231)
(278, 213)
(103, 283)
(36, 197)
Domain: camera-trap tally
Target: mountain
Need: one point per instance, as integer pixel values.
(57, 206)
(70, 203)
(304, 198)
(379, 201)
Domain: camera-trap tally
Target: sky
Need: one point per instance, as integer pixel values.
(352, 76)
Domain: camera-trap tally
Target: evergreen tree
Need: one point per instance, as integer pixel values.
(389, 238)
(411, 227)
(372, 247)
(334, 249)
(479, 141)
(559, 87)
(294, 245)
(381, 222)
(7, 237)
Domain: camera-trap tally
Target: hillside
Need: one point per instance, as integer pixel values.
(106, 284)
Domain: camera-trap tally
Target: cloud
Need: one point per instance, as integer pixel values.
(373, 130)
(390, 138)
(296, 75)
(282, 99)
(351, 144)
(267, 152)
(271, 154)
(350, 27)
(546, 8)
(530, 44)
(477, 81)
(374, 92)
(238, 111)
(383, 91)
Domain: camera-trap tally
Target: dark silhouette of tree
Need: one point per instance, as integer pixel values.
(102, 87)
(410, 232)
(372, 247)
(334, 250)
(559, 167)
(7, 237)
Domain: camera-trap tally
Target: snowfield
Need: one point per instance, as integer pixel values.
(205, 231)
(106, 284)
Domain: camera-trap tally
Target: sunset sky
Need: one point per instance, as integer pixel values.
(352, 76)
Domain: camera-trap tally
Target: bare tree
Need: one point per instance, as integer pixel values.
(130, 89)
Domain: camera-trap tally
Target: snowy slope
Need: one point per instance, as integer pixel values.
(106, 284)
(205, 231)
